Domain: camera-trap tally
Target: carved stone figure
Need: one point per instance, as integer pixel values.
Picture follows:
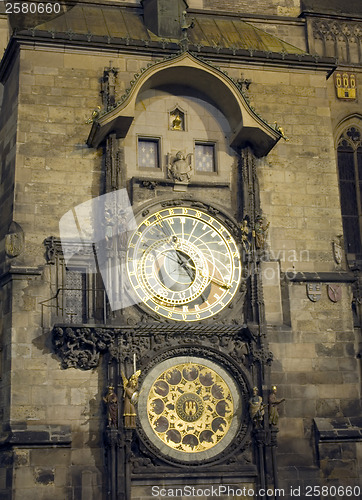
(130, 399)
(245, 234)
(180, 167)
(261, 231)
(273, 406)
(111, 401)
(14, 240)
(338, 249)
(108, 218)
(256, 408)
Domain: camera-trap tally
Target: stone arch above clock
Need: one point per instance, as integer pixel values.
(247, 127)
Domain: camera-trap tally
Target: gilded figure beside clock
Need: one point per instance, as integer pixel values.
(183, 263)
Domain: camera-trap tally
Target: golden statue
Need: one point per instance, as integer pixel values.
(256, 408)
(273, 406)
(177, 123)
(261, 231)
(245, 232)
(130, 396)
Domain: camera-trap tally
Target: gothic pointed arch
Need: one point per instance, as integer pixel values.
(248, 128)
(349, 158)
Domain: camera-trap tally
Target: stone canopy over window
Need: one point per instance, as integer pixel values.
(248, 128)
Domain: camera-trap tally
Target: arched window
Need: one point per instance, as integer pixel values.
(350, 184)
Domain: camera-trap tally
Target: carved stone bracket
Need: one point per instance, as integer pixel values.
(53, 249)
(114, 158)
(80, 347)
(261, 355)
(146, 341)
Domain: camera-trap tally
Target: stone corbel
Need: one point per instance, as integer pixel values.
(81, 347)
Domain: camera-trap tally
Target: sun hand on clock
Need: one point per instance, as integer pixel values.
(218, 282)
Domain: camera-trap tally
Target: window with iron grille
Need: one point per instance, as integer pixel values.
(350, 185)
(205, 158)
(148, 153)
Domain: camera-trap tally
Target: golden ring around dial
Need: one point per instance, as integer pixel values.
(183, 263)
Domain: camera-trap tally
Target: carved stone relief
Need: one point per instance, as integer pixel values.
(339, 39)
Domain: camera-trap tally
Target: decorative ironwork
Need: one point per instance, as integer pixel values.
(75, 296)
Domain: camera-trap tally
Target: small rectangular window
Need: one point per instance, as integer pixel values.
(75, 297)
(148, 153)
(205, 161)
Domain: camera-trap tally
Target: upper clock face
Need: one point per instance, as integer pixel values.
(183, 263)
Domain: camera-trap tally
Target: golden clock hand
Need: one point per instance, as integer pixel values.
(221, 284)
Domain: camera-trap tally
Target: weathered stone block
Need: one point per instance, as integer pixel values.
(45, 457)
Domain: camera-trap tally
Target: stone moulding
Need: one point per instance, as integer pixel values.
(329, 430)
(36, 435)
(333, 276)
(80, 346)
(247, 125)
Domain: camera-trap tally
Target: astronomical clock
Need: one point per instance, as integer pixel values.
(186, 357)
(183, 263)
(185, 354)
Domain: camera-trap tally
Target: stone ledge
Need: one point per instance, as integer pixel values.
(338, 429)
(36, 435)
(332, 277)
(21, 271)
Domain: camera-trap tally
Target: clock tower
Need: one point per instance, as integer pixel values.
(189, 351)
(180, 249)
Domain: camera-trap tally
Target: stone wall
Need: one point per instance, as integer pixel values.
(262, 7)
(315, 369)
(315, 365)
(55, 170)
(298, 179)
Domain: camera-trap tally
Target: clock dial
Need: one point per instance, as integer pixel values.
(183, 263)
(189, 408)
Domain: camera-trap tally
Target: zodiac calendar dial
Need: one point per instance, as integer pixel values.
(183, 263)
(190, 408)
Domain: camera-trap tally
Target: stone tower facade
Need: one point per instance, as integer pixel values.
(180, 249)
